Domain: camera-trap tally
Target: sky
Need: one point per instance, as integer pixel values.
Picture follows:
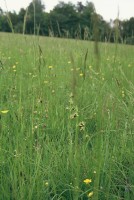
(108, 9)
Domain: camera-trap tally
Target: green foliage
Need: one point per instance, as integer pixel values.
(130, 40)
(63, 18)
(66, 20)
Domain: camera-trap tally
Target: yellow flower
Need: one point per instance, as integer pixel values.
(50, 67)
(90, 194)
(81, 74)
(14, 66)
(4, 111)
(45, 82)
(87, 181)
(46, 183)
(123, 94)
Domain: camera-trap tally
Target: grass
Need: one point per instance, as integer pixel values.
(67, 119)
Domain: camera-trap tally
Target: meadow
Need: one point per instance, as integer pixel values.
(66, 119)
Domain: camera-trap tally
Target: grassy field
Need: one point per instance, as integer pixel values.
(66, 119)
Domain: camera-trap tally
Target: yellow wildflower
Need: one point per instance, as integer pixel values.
(4, 111)
(50, 67)
(90, 194)
(45, 82)
(14, 66)
(81, 74)
(123, 94)
(87, 181)
(46, 183)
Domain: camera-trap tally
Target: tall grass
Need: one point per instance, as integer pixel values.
(66, 121)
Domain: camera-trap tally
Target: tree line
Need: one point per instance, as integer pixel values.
(67, 20)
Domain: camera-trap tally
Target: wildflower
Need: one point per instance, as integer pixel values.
(67, 108)
(74, 115)
(4, 111)
(87, 181)
(45, 82)
(71, 95)
(69, 62)
(46, 183)
(123, 93)
(71, 101)
(90, 194)
(14, 66)
(35, 112)
(50, 67)
(34, 76)
(82, 126)
(81, 74)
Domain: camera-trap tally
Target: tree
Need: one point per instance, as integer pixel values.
(35, 16)
(80, 7)
(86, 18)
(63, 19)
